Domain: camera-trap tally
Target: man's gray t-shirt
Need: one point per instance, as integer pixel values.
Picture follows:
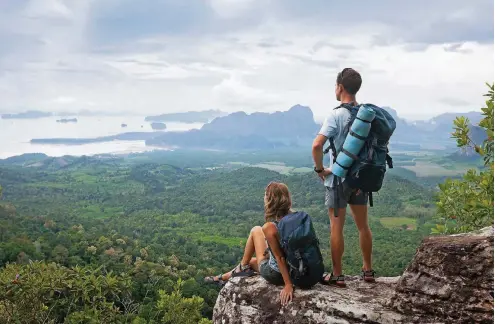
(335, 126)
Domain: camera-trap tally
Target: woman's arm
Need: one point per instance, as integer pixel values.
(273, 239)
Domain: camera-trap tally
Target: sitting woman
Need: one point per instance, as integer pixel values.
(264, 242)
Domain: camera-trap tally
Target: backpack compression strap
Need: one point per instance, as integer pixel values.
(337, 183)
(390, 163)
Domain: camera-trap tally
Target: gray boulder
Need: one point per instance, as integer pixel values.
(450, 280)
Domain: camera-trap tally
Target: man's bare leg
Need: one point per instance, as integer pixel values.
(360, 214)
(337, 239)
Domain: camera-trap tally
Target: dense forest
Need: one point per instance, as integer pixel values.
(94, 239)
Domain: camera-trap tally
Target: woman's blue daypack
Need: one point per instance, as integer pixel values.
(367, 171)
(301, 248)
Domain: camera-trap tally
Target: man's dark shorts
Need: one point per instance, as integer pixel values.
(346, 196)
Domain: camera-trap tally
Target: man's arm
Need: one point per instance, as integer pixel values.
(328, 129)
(318, 151)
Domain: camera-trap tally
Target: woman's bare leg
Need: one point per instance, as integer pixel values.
(255, 244)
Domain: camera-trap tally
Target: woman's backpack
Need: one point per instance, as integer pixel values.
(301, 248)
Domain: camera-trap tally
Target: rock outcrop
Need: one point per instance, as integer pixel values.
(451, 276)
(450, 280)
(253, 300)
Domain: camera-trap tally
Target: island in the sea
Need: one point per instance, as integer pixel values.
(30, 114)
(158, 126)
(187, 117)
(67, 120)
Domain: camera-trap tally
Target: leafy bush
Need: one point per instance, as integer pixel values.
(42, 292)
(467, 204)
(176, 309)
(50, 293)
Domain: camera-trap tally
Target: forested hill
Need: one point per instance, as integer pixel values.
(148, 224)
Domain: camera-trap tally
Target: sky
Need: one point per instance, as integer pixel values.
(422, 58)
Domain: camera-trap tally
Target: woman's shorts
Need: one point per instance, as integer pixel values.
(270, 275)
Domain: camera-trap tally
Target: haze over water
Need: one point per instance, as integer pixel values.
(15, 135)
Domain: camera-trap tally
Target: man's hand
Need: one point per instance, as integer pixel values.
(286, 294)
(325, 173)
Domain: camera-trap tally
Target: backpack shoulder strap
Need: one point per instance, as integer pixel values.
(334, 150)
(349, 107)
(330, 140)
(389, 160)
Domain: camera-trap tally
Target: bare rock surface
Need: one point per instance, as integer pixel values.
(452, 276)
(450, 280)
(253, 300)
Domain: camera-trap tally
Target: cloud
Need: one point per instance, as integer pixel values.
(64, 100)
(455, 102)
(48, 9)
(234, 92)
(457, 47)
(422, 58)
(231, 8)
(411, 21)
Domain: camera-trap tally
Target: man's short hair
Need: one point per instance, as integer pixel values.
(350, 79)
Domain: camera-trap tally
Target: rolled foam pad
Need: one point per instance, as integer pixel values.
(353, 144)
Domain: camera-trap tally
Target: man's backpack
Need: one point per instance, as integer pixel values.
(370, 164)
(301, 248)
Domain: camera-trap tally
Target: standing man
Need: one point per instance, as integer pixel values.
(335, 126)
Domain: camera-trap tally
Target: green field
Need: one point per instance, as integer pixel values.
(398, 222)
(279, 167)
(229, 241)
(431, 169)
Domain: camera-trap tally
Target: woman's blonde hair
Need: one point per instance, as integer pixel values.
(277, 201)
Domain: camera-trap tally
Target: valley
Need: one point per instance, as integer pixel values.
(147, 214)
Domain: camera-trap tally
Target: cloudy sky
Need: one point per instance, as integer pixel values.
(154, 56)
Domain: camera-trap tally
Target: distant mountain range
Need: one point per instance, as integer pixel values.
(35, 114)
(435, 131)
(292, 128)
(181, 117)
(187, 117)
(297, 121)
(242, 131)
(67, 120)
(30, 114)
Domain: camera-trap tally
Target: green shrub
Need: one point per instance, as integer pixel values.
(467, 204)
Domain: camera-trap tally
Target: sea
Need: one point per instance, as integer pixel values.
(15, 135)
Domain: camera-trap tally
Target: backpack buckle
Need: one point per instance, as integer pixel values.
(297, 254)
